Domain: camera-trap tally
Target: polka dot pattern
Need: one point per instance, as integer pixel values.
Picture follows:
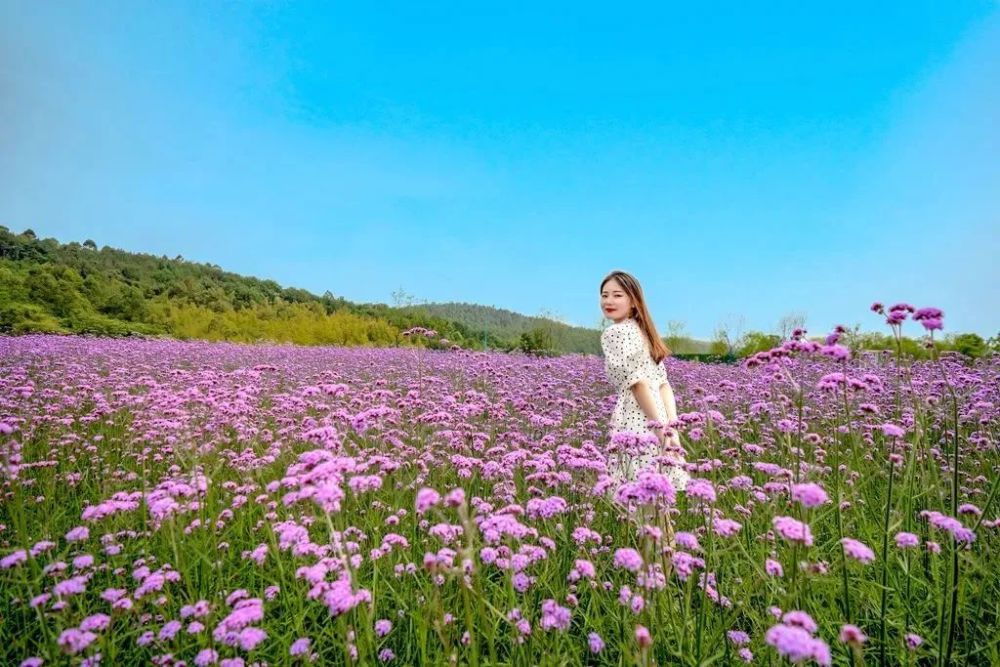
(628, 360)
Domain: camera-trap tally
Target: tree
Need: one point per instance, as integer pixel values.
(554, 325)
(89, 243)
(971, 344)
(721, 343)
(675, 335)
(757, 341)
(994, 344)
(401, 298)
(789, 323)
(537, 340)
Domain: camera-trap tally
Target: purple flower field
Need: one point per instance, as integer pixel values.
(182, 503)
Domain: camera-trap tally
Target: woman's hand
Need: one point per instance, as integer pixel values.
(670, 443)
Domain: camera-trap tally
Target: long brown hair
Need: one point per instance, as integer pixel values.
(640, 312)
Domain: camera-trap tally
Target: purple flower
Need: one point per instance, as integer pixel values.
(206, 657)
(893, 431)
(793, 530)
(169, 630)
(797, 644)
(595, 642)
(250, 637)
(426, 499)
(701, 489)
(738, 637)
(852, 634)
(585, 568)
(687, 541)
(554, 616)
(383, 627)
(386, 654)
(96, 622)
(642, 636)
(725, 527)
(72, 586)
(628, 559)
(800, 619)
(75, 640)
(78, 534)
(929, 317)
(12, 559)
(300, 646)
(857, 550)
(907, 540)
(773, 568)
(809, 494)
(913, 641)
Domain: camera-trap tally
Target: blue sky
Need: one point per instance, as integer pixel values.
(742, 161)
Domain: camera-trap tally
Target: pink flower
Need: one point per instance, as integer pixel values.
(14, 558)
(687, 541)
(628, 559)
(206, 657)
(642, 636)
(907, 540)
(797, 644)
(300, 646)
(96, 622)
(78, 534)
(383, 627)
(75, 640)
(809, 494)
(800, 619)
(701, 489)
(726, 527)
(857, 550)
(793, 530)
(893, 431)
(250, 637)
(554, 616)
(738, 637)
(426, 498)
(169, 630)
(852, 634)
(929, 317)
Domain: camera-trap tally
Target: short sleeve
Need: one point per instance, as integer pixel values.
(624, 355)
(660, 375)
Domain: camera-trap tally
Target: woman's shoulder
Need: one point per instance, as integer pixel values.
(614, 327)
(627, 329)
(627, 322)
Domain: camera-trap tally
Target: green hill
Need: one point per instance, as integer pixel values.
(48, 286)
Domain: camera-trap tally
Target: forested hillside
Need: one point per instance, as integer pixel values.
(74, 287)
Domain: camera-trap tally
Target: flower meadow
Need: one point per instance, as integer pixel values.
(187, 503)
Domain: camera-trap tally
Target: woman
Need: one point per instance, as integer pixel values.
(633, 353)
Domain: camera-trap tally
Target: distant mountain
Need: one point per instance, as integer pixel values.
(508, 325)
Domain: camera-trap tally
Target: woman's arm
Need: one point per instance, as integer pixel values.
(644, 397)
(667, 394)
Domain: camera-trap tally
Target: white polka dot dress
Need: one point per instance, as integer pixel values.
(628, 360)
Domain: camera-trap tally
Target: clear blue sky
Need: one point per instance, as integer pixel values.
(740, 160)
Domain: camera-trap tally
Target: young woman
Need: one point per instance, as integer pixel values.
(633, 353)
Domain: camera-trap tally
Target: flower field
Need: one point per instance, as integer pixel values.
(179, 503)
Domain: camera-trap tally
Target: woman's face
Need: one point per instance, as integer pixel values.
(615, 303)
